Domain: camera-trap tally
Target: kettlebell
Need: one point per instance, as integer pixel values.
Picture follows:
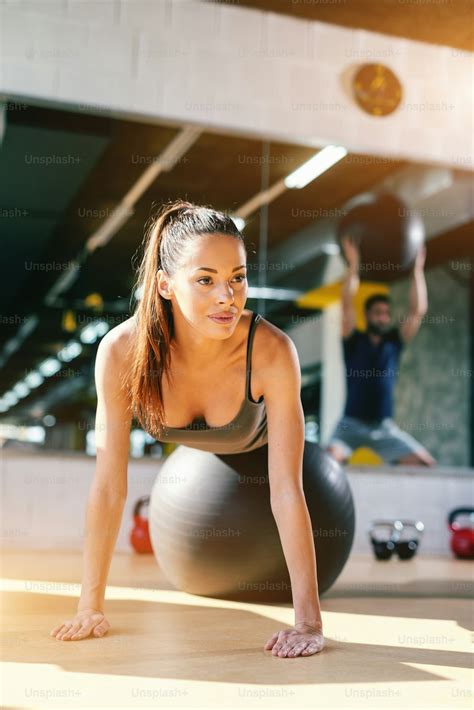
(385, 545)
(140, 536)
(406, 549)
(384, 548)
(462, 539)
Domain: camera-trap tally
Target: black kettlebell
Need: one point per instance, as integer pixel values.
(383, 549)
(405, 549)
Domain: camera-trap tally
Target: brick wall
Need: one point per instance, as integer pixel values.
(235, 69)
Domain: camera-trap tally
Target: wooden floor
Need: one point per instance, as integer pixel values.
(397, 635)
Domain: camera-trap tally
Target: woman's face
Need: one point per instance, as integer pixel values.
(211, 280)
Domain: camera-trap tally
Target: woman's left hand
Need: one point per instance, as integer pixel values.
(301, 640)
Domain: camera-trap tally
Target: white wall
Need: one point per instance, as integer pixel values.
(235, 69)
(44, 499)
(412, 494)
(307, 334)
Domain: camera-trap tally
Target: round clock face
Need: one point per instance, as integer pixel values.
(376, 89)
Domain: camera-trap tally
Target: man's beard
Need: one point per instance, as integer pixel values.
(377, 329)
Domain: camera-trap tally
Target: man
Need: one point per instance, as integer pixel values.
(371, 358)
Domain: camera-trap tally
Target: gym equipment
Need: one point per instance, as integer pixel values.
(384, 548)
(213, 531)
(462, 539)
(387, 232)
(140, 536)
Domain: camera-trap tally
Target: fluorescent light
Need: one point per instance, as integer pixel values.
(70, 351)
(88, 335)
(315, 166)
(64, 282)
(101, 328)
(49, 367)
(239, 222)
(10, 398)
(34, 379)
(330, 248)
(112, 224)
(93, 331)
(21, 389)
(35, 434)
(14, 343)
(271, 293)
(22, 433)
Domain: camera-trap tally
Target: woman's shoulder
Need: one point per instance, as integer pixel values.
(117, 342)
(269, 330)
(267, 338)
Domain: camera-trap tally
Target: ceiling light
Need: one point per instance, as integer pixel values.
(88, 335)
(70, 351)
(271, 293)
(315, 166)
(239, 222)
(10, 398)
(93, 331)
(21, 389)
(34, 379)
(138, 293)
(101, 328)
(330, 248)
(49, 367)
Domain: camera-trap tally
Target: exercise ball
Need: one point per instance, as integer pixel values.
(387, 231)
(213, 531)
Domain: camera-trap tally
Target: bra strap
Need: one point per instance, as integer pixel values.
(255, 318)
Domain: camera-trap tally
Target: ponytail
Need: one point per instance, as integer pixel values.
(166, 238)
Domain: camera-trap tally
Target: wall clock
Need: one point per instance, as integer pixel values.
(376, 89)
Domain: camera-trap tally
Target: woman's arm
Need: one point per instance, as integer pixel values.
(285, 418)
(109, 487)
(108, 490)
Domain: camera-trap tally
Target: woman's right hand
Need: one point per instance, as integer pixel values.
(81, 625)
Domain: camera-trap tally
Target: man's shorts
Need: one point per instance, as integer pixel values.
(384, 437)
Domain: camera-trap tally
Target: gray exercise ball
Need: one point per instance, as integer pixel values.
(213, 531)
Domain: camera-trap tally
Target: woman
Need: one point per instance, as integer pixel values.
(169, 365)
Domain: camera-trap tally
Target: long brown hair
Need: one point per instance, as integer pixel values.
(167, 235)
